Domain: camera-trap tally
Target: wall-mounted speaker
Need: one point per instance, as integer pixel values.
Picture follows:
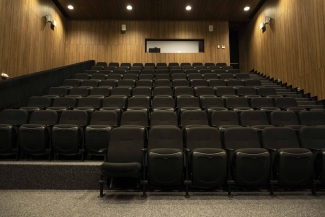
(210, 28)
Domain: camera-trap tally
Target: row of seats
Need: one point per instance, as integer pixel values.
(162, 102)
(155, 76)
(199, 156)
(104, 91)
(68, 133)
(160, 83)
(158, 64)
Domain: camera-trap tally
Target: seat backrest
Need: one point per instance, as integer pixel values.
(220, 71)
(81, 76)
(194, 76)
(131, 77)
(113, 76)
(115, 64)
(197, 64)
(64, 102)
(144, 83)
(39, 101)
(261, 102)
(134, 71)
(241, 137)
(221, 64)
(115, 101)
(109, 68)
(108, 117)
(192, 102)
(166, 91)
(202, 137)
(79, 118)
(97, 67)
(191, 117)
(119, 71)
(123, 91)
(198, 82)
(142, 91)
(208, 76)
(91, 72)
(219, 118)
(101, 64)
(251, 118)
(162, 76)
(285, 102)
(208, 102)
(99, 76)
(253, 82)
(165, 137)
(163, 101)
(282, 118)
(312, 118)
(233, 71)
(82, 91)
(13, 116)
(178, 76)
(222, 91)
(233, 102)
(103, 91)
(226, 76)
(135, 118)
(173, 64)
(139, 101)
(191, 70)
(71, 82)
(243, 76)
(90, 83)
(126, 144)
(44, 117)
(312, 137)
(265, 91)
(235, 83)
(176, 70)
(180, 83)
(161, 64)
(126, 64)
(138, 64)
(279, 137)
(216, 82)
(246, 91)
(162, 83)
(149, 64)
(209, 64)
(185, 64)
(109, 83)
(205, 71)
(146, 76)
(200, 91)
(59, 91)
(126, 83)
(163, 117)
(92, 102)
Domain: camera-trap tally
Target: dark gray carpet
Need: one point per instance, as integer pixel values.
(86, 203)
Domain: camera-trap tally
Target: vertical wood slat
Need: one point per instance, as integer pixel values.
(28, 44)
(292, 48)
(112, 46)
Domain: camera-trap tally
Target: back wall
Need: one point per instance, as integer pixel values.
(102, 40)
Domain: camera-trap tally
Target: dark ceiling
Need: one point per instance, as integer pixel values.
(230, 10)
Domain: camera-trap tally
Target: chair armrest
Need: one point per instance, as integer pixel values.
(103, 150)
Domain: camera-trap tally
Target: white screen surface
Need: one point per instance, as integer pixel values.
(174, 46)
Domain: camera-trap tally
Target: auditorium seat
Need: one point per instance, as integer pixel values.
(62, 104)
(242, 76)
(128, 65)
(176, 70)
(285, 119)
(164, 91)
(121, 91)
(209, 64)
(312, 118)
(68, 135)
(208, 76)
(288, 103)
(254, 119)
(128, 76)
(233, 71)
(235, 83)
(100, 92)
(139, 103)
(210, 104)
(180, 83)
(162, 83)
(291, 164)
(90, 83)
(138, 64)
(163, 103)
(69, 83)
(179, 76)
(252, 83)
(194, 76)
(119, 71)
(183, 91)
(248, 162)
(55, 92)
(163, 117)
(109, 68)
(35, 137)
(237, 104)
(142, 91)
(115, 103)
(82, 76)
(190, 118)
(123, 156)
(161, 64)
(114, 77)
(203, 91)
(126, 83)
(146, 76)
(161, 76)
(101, 64)
(206, 160)
(221, 64)
(134, 71)
(173, 64)
(115, 64)
(224, 76)
(216, 83)
(205, 71)
(190, 70)
(37, 103)
(99, 76)
(137, 118)
(224, 119)
(97, 67)
(109, 83)
(10, 121)
(187, 103)
(199, 82)
(225, 91)
(88, 104)
(197, 64)
(78, 92)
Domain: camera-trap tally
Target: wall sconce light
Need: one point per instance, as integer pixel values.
(123, 27)
(49, 20)
(4, 76)
(267, 20)
(210, 28)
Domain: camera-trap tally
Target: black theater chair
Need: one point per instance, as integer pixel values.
(35, 137)
(291, 165)
(10, 121)
(68, 135)
(248, 162)
(206, 160)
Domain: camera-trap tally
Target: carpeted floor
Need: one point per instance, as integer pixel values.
(117, 203)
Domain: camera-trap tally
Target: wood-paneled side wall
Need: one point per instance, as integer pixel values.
(292, 48)
(28, 44)
(102, 40)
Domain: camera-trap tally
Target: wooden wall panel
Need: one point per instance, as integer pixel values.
(102, 40)
(28, 44)
(292, 48)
